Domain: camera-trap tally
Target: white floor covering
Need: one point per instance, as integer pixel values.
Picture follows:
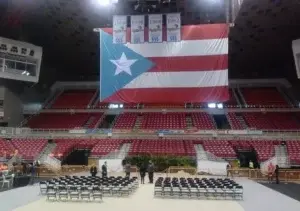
(256, 198)
(141, 200)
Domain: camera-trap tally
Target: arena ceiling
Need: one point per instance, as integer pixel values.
(260, 41)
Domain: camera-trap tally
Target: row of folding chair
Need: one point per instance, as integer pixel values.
(198, 188)
(119, 186)
(74, 194)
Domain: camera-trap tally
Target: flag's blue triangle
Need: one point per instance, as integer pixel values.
(110, 58)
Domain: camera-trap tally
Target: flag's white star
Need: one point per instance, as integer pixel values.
(123, 64)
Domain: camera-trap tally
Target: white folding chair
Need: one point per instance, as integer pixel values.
(5, 181)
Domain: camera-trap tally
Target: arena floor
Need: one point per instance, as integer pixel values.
(256, 197)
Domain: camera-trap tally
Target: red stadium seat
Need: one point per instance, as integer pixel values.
(263, 97)
(125, 121)
(29, 149)
(203, 121)
(76, 99)
(64, 120)
(163, 121)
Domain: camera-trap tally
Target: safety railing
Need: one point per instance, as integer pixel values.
(27, 132)
(285, 175)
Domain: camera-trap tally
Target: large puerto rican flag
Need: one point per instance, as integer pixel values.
(192, 70)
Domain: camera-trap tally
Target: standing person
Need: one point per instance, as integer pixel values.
(150, 171)
(127, 169)
(228, 169)
(143, 170)
(104, 170)
(94, 171)
(32, 171)
(37, 167)
(277, 174)
(270, 172)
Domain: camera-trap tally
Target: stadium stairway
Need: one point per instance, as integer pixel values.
(189, 121)
(138, 122)
(200, 152)
(284, 95)
(236, 97)
(114, 159)
(46, 151)
(119, 154)
(241, 97)
(94, 100)
(48, 103)
(209, 163)
(240, 118)
(282, 156)
(89, 122)
(51, 163)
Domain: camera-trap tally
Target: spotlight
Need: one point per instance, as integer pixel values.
(220, 105)
(211, 105)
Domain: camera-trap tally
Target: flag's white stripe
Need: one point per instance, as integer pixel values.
(182, 48)
(179, 79)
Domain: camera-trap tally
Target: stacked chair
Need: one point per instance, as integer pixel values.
(87, 188)
(198, 188)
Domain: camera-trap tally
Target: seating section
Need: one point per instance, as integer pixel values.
(6, 148)
(163, 121)
(293, 148)
(203, 121)
(263, 97)
(64, 147)
(165, 147)
(241, 145)
(125, 121)
(234, 121)
(63, 120)
(106, 146)
(29, 149)
(197, 188)
(264, 149)
(219, 148)
(258, 121)
(76, 99)
(164, 105)
(272, 121)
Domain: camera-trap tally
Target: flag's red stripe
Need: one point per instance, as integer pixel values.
(189, 63)
(170, 95)
(193, 32)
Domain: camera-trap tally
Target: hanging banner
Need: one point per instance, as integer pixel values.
(137, 29)
(119, 29)
(173, 27)
(155, 28)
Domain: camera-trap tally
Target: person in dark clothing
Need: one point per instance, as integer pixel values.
(150, 171)
(104, 170)
(277, 174)
(32, 174)
(94, 171)
(127, 169)
(143, 170)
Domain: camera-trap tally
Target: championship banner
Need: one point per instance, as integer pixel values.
(119, 29)
(173, 27)
(155, 28)
(137, 29)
